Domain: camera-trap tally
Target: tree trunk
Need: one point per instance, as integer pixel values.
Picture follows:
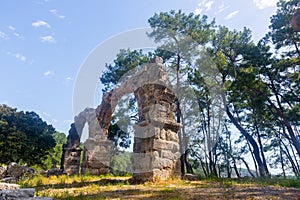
(247, 166)
(281, 160)
(184, 159)
(235, 168)
(261, 169)
(254, 161)
(262, 151)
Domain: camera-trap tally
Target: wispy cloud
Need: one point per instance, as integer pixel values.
(231, 15)
(49, 117)
(222, 7)
(57, 14)
(11, 28)
(20, 57)
(69, 78)
(48, 39)
(198, 11)
(3, 35)
(40, 23)
(203, 6)
(208, 5)
(14, 32)
(49, 73)
(262, 4)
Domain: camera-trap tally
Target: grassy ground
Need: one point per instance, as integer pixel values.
(108, 187)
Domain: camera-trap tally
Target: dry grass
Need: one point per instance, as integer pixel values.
(106, 187)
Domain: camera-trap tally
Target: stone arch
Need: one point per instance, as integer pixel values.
(96, 148)
(156, 148)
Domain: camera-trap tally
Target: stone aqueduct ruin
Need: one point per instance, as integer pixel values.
(156, 146)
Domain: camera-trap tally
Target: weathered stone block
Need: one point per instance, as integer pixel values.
(161, 163)
(167, 154)
(164, 145)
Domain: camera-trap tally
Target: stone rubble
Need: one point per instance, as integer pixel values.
(14, 192)
(14, 171)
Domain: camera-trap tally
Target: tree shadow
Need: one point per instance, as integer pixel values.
(102, 182)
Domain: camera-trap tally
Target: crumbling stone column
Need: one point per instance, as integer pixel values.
(96, 152)
(156, 147)
(70, 161)
(96, 156)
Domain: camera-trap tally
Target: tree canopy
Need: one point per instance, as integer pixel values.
(24, 137)
(245, 90)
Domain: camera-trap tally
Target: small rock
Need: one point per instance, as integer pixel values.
(8, 186)
(190, 177)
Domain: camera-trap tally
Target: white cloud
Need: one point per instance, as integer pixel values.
(56, 13)
(11, 28)
(40, 23)
(198, 11)
(231, 15)
(3, 35)
(203, 6)
(208, 5)
(20, 57)
(49, 73)
(262, 4)
(48, 38)
(69, 78)
(222, 7)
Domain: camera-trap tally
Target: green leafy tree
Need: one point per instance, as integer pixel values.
(125, 61)
(54, 157)
(282, 76)
(178, 34)
(24, 137)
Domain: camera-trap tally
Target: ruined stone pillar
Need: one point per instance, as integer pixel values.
(70, 161)
(97, 149)
(156, 147)
(96, 156)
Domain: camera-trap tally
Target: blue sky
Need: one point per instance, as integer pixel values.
(43, 43)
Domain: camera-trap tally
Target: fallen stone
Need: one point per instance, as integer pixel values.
(190, 177)
(17, 193)
(8, 186)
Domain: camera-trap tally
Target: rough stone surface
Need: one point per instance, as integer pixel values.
(156, 148)
(17, 193)
(13, 192)
(14, 171)
(96, 156)
(53, 172)
(156, 140)
(191, 177)
(8, 186)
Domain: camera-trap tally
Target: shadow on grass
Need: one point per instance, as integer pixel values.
(102, 182)
(148, 194)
